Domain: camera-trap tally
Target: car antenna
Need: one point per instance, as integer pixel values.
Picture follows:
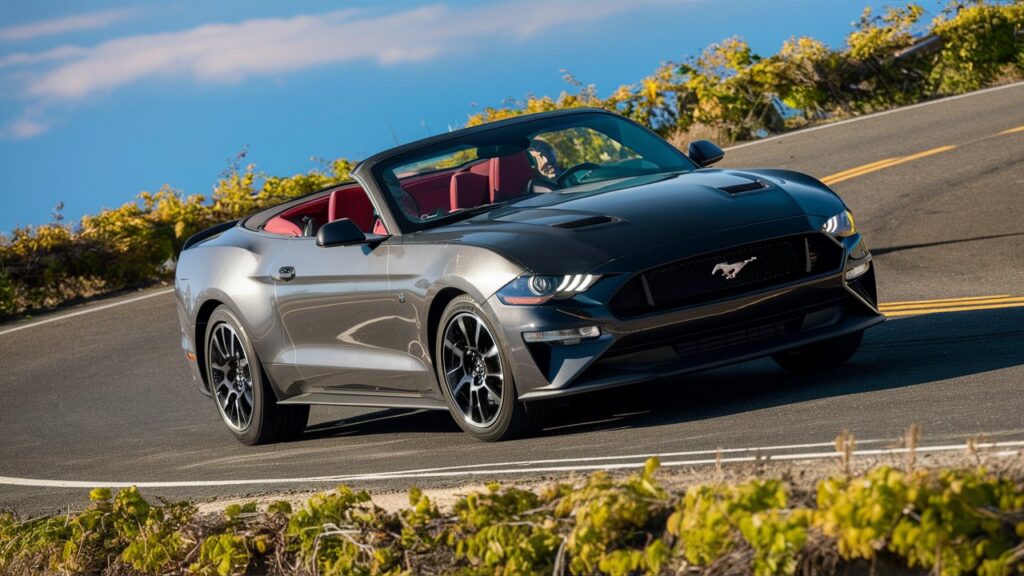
(392, 129)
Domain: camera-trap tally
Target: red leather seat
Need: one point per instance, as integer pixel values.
(509, 176)
(468, 190)
(354, 204)
(278, 225)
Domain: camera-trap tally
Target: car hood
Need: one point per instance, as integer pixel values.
(612, 224)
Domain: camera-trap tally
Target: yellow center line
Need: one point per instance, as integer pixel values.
(953, 309)
(1012, 130)
(902, 307)
(943, 300)
(860, 168)
(881, 164)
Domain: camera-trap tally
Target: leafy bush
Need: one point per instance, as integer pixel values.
(343, 533)
(615, 523)
(954, 522)
(951, 522)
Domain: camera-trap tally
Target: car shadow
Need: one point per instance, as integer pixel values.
(383, 421)
(902, 352)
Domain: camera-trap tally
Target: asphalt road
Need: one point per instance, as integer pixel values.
(106, 397)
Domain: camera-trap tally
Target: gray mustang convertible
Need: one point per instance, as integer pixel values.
(491, 270)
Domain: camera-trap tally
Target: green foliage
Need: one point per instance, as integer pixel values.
(343, 533)
(878, 37)
(711, 521)
(949, 522)
(420, 522)
(222, 555)
(614, 523)
(124, 526)
(954, 522)
(233, 511)
(505, 532)
(980, 40)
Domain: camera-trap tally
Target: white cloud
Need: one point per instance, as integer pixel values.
(226, 53)
(53, 54)
(64, 25)
(22, 128)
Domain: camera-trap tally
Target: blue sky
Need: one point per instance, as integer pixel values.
(101, 100)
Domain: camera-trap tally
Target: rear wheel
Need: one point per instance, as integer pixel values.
(241, 391)
(475, 378)
(823, 355)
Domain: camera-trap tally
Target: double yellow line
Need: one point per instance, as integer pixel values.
(914, 307)
(881, 164)
(890, 162)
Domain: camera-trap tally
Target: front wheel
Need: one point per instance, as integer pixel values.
(824, 355)
(475, 378)
(244, 398)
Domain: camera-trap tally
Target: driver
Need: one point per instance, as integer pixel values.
(545, 161)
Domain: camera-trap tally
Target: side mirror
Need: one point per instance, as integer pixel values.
(704, 152)
(341, 232)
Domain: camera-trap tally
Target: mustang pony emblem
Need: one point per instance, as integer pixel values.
(731, 270)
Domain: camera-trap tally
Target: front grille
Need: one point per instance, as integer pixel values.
(727, 339)
(706, 277)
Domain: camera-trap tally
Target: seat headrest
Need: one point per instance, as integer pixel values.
(354, 204)
(468, 190)
(509, 176)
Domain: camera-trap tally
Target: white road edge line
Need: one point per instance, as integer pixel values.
(1003, 452)
(88, 310)
(526, 463)
(875, 115)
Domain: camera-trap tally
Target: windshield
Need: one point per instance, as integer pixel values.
(561, 155)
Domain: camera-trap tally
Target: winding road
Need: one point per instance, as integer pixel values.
(101, 395)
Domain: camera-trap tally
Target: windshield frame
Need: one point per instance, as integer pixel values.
(374, 168)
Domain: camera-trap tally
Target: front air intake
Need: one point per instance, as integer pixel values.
(745, 187)
(584, 222)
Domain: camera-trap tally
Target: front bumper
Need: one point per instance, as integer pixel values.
(686, 339)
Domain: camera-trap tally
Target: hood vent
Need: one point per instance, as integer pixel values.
(745, 187)
(584, 222)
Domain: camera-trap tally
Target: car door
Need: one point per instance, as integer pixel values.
(335, 305)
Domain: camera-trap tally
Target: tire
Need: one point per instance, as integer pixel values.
(472, 392)
(824, 355)
(240, 388)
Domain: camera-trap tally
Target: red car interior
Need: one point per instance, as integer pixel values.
(351, 203)
(484, 182)
(469, 190)
(509, 176)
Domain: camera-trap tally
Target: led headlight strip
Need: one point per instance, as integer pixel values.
(576, 283)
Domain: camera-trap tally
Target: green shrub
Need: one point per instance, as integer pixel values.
(505, 531)
(343, 533)
(949, 522)
(712, 520)
(614, 524)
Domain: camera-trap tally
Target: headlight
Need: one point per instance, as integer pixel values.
(532, 290)
(841, 225)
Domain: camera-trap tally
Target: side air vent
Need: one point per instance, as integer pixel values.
(584, 222)
(745, 187)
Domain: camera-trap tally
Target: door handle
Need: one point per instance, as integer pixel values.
(286, 273)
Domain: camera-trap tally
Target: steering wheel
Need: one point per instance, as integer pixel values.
(563, 179)
(539, 184)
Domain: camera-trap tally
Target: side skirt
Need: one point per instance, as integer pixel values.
(373, 400)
